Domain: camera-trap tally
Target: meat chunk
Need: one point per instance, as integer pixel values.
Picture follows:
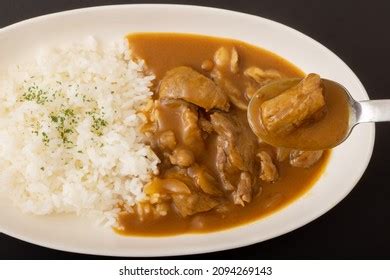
(297, 105)
(244, 189)
(269, 172)
(233, 93)
(282, 153)
(187, 203)
(182, 118)
(167, 185)
(191, 133)
(223, 166)
(234, 61)
(251, 89)
(182, 157)
(205, 125)
(204, 180)
(226, 60)
(194, 203)
(237, 139)
(226, 63)
(187, 84)
(167, 140)
(222, 57)
(261, 76)
(304, 159)
(235, 157)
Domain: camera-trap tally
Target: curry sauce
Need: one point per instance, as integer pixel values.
(164, 52)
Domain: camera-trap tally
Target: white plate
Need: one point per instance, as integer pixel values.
(70, 233)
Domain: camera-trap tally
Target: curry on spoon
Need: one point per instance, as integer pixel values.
(310, 113)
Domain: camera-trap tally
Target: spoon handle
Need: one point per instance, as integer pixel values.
(372, 111)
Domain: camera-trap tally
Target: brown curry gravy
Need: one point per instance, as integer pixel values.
(164, 51)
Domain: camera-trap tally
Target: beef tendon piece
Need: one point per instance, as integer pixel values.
(237, 140)
(222, 57)
(190, 200)
(232, 92)
(167, 140)
(223, 165)
(182, 119)
(234, 61)
(235, 158)
(282, 153)
(269, 172)
(187, 84)
(205, 125)
(182, 157)
(260, 76)
(194, 203)
(304, 159)
(244, 191)
(289, 110)
(167, 185)
(204, 180)
(191, 133)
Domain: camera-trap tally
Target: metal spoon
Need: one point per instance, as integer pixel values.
(359, 112)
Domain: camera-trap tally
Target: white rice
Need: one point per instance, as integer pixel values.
(99, 160)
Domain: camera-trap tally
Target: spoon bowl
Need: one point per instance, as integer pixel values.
(343, 114)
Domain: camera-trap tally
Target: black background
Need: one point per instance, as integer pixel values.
(358, 32)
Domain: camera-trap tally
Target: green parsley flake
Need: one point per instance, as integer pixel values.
(98, 122)
(64, 119)
(45, 138)
(35, 94)
(65, 122)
